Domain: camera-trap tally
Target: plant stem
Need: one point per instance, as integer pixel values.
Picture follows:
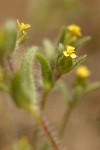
(46, 93)
(65, 121)
(44, 98)
(10, 64)
(49, 135)
(41, 122)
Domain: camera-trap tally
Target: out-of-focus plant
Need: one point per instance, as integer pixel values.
(22, 144)
(57, 60)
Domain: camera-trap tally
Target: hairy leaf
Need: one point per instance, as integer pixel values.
(64, 64)
(46, 71)
(79, 60)
(11, 31)
(22, 84)
(82, 41)
(62, 36)
(8, 36)
(18, 93)
(27, 71)
(49, 49)
(64, 91)
(92, 87)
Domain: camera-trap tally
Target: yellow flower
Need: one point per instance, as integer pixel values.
(23, 26)
(70, 51)
(75, 29)
(83, 72)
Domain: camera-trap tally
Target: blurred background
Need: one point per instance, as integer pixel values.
(46, 18)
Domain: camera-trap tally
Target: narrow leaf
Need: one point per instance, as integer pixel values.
(8, 36)
(92, 87)
(62, 36)
(64, 91)
(82, 41)
(22, 84)
(46, 71)
(27, 72)
(79, 60)
(11, 31)
(64, 64)
(18, 93)
(49, 49)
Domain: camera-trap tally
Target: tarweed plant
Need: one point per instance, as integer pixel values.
(57, 59)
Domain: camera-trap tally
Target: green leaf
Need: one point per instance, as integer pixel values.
(27, 71)
(76, 95)
(79, 60)
(18, 93)
(64, 64)
(82, 41)
(80, 92)
(64, 91)
(62, 36)
(92, 87)
(22, 84)
(49, 49)
(46, 71)
(11, 31)
(60, 49)
(8, 36)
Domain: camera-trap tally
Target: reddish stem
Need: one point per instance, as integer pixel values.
(50, 136)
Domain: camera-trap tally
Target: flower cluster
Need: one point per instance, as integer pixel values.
(54, 63)
(23, 26)
(21, 32)
(75, 30)
(83, 72)
(70, 51)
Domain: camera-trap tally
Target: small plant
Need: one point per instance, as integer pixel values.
(58, 59)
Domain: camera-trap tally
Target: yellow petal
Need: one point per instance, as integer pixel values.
(83, 71)
(23, 26)
(75, 29)
(69, 48)
(27, 25)
(65, 53)
(73, 55)
(18, 23)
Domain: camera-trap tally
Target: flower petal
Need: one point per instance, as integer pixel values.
(73, 55)
(65, 53)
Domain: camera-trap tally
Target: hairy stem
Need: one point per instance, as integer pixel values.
(65, 121)
(46, 92)
(44, 99)
(49, 135)
(41, 122)
(10, 64)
